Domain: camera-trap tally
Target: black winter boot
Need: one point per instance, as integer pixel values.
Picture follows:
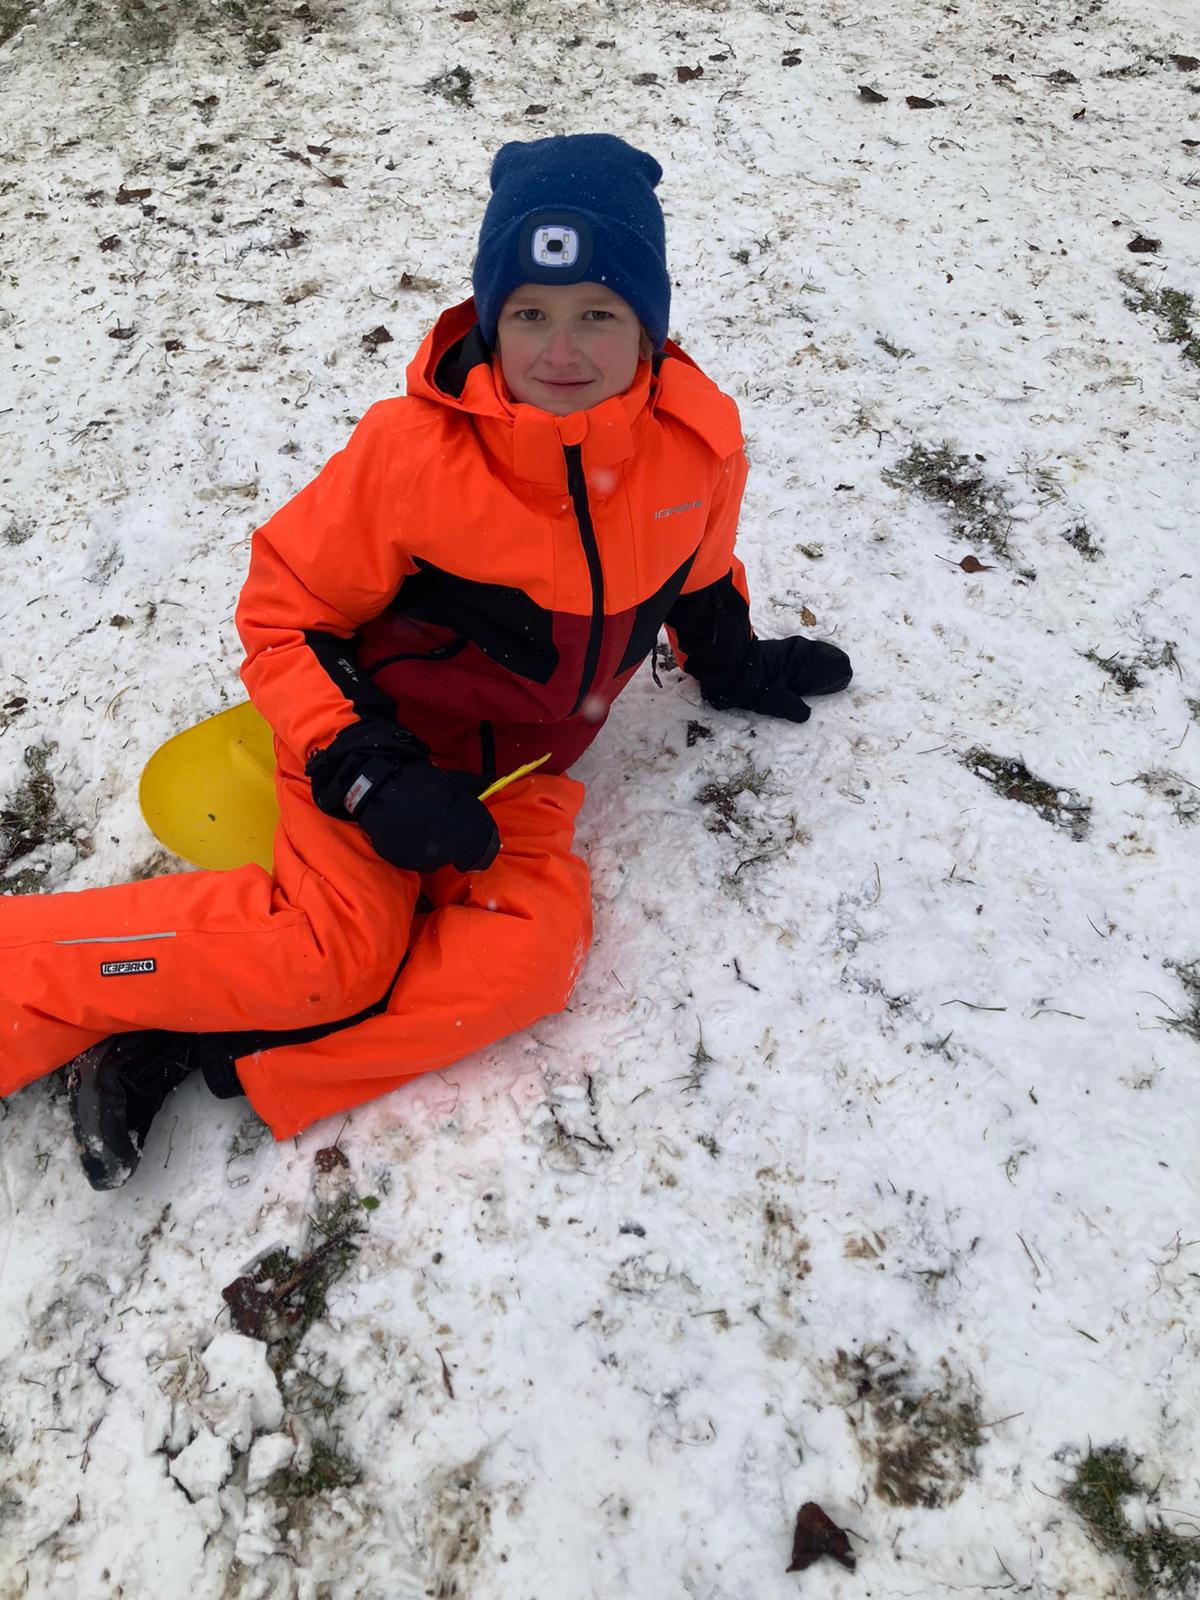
(115, 1090)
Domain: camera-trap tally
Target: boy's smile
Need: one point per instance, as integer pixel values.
(568, 346)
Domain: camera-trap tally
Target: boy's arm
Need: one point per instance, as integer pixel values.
(709, 624)
(709, 628)
(328, 561)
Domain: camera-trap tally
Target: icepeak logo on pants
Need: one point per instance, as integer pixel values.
(126, 969)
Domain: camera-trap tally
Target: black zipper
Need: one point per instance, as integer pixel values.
(487, 752)
(442, 652)
(577, 486)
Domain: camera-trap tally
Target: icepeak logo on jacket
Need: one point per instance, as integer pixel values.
(500, 572)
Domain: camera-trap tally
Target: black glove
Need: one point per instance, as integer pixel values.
(774, 674)
(416, 815)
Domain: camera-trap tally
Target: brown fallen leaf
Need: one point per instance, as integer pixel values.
(1142, 246)
(792, 59)
(331, 1157)
(807, 618)
(918, 102)
(113, 242)
(1077, 116)
(1186, 63)
(128, 197)
(252, 1307)
(173, 345)
(973, 564)
(645, 79)
(122, 333)
(1061, 76)
(536, 111)
(465, 16)
(376, 337)
(871, 96)
(689, 74)
(817, 1535)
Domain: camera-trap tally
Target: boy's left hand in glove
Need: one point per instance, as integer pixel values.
(775, 674)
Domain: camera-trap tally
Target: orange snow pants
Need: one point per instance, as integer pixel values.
(324, 937)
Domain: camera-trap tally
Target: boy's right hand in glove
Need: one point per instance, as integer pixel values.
(417, 816)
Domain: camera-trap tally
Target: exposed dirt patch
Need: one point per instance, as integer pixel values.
(1012, 779)
(921, 1437)
(32, 818)
(1080, 539)
(721, 795)
(784, 1245)
(977, 507)
(459, 1521)
(1125, 667)
(1181, 794)
(13, 15)
(141, 31)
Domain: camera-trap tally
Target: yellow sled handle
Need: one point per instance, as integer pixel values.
(511, 777)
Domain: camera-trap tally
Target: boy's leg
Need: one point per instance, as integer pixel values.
(198, 951)
(499, 950)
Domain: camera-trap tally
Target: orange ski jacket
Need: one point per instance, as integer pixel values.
(491, 576)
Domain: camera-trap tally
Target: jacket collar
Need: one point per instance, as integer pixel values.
(454, 369)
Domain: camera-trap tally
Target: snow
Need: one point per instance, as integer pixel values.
(202, 1467)
(869, 1108)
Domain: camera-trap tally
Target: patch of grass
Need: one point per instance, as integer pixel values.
(722, 794)
(1119, 668)
(457, 86)
(1123, 669)
(147, 30)
(13, 15)
(1173, 308)
(1162, 1562)
(900, 352)
(1180, 794)
(308, 1393)
(1012, 780)
(326, 1470)
(248, 1137)
(953, 481)
(31, 819)
(1080, 539)
(1188, 973)
(922, 1438)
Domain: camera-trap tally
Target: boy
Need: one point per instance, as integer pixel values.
(466, 587)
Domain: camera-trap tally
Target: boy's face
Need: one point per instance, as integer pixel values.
(567, 346)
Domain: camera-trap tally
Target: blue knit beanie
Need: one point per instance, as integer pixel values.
(576, 209)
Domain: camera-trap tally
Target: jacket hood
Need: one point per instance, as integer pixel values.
(454, 369)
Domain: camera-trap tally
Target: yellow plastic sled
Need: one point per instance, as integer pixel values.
(208, 794)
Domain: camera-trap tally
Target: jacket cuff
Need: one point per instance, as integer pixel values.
(381, 747)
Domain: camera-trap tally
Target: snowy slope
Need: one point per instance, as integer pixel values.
(862, 1169)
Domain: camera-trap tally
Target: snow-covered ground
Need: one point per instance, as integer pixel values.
(863, 1168)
